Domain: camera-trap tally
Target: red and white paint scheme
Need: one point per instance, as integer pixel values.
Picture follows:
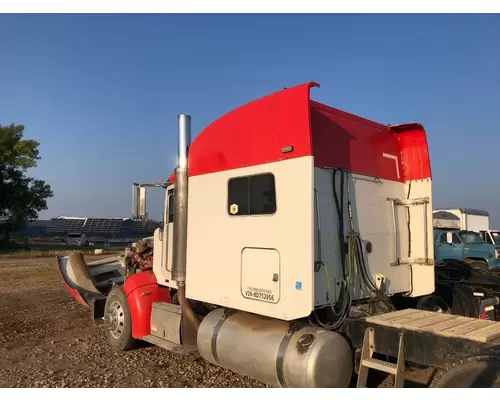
(277, 210)
(265, 264)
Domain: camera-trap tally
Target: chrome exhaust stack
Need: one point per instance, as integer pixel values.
(181, 201)
(179, 251)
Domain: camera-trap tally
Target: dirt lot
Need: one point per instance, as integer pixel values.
(48, 340)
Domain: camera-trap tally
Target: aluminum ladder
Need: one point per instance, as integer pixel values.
(367, 361)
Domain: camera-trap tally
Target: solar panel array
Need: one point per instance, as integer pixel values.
(145, 226)
(107, 227)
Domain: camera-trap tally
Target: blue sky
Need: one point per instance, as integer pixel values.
(102, 92)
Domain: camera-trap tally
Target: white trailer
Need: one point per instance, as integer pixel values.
(470, 219)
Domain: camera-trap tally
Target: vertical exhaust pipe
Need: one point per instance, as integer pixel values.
(179, 251)
(181, 201)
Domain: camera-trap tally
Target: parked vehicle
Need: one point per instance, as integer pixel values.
(466, 274)
(491, 236)
(467, 246)
(76, 239)
(469, 219)
(302, 227)
(457, 236)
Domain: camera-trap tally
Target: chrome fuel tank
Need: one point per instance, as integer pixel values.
(274, 352)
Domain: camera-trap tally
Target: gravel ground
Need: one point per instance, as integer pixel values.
(48, 340)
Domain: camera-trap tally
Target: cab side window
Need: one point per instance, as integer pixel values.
(454, 238)
(171, 206)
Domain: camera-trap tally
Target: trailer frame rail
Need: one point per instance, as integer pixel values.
(431, 339)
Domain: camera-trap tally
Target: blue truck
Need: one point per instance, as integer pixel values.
(466, 246)
(467, 272)
(453, 242)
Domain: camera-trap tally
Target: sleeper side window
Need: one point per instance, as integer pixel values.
(252, 195)
(238, 196)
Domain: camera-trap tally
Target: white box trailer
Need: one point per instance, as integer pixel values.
(470, 219)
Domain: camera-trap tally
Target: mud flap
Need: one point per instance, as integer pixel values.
(487, 309)
(97, 306)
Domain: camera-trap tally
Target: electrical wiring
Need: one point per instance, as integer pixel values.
(353, 266)
(345, 295)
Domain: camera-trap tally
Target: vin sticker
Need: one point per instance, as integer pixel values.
(259, 294)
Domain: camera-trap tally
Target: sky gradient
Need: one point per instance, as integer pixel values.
(102, 92)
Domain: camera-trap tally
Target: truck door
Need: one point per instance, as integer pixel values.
(449, 246)
(163, 238)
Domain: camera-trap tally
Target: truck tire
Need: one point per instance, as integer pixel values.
(460, 304)
(472, 372)
(455, 298)
(469, 303)
(444, 291)
(433, 303)
(478, 265)
(118, 322)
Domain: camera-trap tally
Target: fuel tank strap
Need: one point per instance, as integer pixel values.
(280, 358)
(215, 333)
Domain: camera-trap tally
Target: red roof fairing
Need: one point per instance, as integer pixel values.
(414, 151)
(255, 133)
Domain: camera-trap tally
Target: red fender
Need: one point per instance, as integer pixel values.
(142, 290)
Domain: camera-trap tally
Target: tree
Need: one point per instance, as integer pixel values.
(21, 197)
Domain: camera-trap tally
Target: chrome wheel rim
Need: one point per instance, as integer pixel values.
(116, 319)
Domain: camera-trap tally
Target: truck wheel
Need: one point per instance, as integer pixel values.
(478, 265)
(433, 303)
(472, 372)
(455, 298)
(470, 303)
(118, 321)
(463, 303)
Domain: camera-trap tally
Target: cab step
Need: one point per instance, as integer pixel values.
(167, 344)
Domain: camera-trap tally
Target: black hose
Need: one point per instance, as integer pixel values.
(344, 296)
(340, 214)
(378, 294)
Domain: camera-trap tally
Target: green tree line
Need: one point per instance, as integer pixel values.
(21, 197)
